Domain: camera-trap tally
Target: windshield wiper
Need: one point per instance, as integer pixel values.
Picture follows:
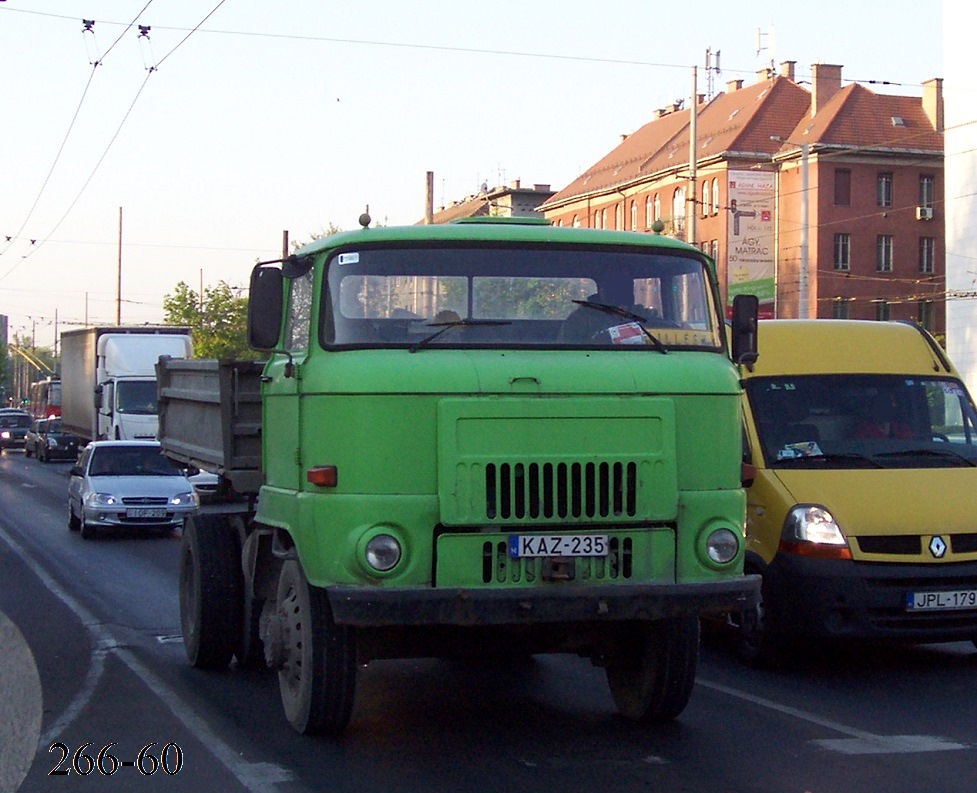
(617, 311)
(443, 327)
(928, 453)
(846, 456)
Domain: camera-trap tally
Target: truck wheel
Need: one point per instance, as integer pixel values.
(317, 677)
(651, 673)
(210, 591)
(73, 523)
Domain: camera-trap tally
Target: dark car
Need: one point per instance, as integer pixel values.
(48, 441)
(13, 429)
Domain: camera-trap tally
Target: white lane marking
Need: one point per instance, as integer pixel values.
(857, 742)
(255, 777)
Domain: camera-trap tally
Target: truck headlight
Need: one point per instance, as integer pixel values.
(811, 530)
(722, 546)
(382, 552)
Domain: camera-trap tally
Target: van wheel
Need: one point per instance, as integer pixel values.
(317, 670)
(758, 643)
(210, 591)
(651, 671)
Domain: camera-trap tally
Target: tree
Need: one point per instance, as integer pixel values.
(218, 322)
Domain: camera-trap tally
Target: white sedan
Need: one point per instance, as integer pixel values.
(127, 484)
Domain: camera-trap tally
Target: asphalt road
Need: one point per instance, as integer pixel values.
(99, 622)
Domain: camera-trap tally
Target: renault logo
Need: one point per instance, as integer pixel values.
(937, 547)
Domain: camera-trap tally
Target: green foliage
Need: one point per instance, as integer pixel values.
(218, 322)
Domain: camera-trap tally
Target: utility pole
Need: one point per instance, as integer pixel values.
(118, 284)
(693, 156)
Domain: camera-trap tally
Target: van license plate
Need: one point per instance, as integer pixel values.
(145, 512)
(941, 601)
(530, 545)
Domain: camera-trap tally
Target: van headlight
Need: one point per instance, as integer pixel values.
(811, 530)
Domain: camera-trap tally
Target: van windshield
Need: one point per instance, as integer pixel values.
(519, 296)
(862, 421)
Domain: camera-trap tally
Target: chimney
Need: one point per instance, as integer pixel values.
(429, 199)
(515, 184)
(826, 82)
(541, 188)
(734, 85)
(933, 102)
(787, 69)
(763, 75)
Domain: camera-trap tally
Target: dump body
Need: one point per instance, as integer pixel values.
(108, 378)
(210, 418)
(861, 517)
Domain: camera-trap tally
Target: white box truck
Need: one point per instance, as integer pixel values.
(108, 378)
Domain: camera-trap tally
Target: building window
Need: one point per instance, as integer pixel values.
(678, 210)
(882, 311)
(706, 198)
(926, 191)
(714, 250)
(658, 207)
(619, 217)
(715, 196)
(596, 218)
(649, 212)
(842, 251)
(883, 253)
(883, 189)
(926, 314)
(842, 187)
(927, 254)
(576, 222)
(634, 216)
(603, 218)
(841, 308)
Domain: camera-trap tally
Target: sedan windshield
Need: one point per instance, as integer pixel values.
(505, 296)
(864, 421)
(131, 461)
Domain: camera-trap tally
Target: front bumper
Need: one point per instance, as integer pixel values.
(828, 598)
(375, 607)
(108, 517)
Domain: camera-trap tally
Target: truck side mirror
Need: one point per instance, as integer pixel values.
(265, 307)
(746, 309)
(98, 397)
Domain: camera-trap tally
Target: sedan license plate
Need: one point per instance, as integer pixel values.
(145, 512)
(941, 601)
(531, 545)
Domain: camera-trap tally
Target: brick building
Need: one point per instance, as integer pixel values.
(873, 164)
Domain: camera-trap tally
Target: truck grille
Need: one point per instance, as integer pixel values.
(520, 491)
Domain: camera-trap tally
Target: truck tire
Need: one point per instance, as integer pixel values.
(317, 678)
(652, 671)
(210, 591)
(758, 642)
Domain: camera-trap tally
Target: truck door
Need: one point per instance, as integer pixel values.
(282, 417)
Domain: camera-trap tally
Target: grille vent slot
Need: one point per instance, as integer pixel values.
(520, 491)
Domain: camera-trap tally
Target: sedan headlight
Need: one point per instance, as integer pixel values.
(811, 530)
(102, 500)
(188, 499)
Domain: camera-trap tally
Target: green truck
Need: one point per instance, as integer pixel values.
(478, 439)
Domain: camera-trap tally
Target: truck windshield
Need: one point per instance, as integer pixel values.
(863, 421)
(504, 296)
(136, 396)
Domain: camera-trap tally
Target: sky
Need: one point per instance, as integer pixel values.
(222, 124)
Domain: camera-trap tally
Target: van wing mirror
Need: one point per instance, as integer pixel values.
(746, 309)
(265, 307)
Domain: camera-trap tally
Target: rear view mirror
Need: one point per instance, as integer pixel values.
(746, 309)
(265, 307)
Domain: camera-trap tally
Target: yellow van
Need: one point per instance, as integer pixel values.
(862, 511)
